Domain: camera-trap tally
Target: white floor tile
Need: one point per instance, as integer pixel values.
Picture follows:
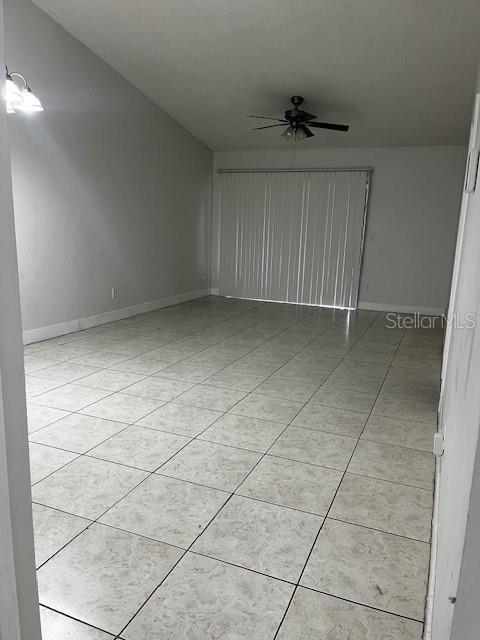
(122, 407)
(104, 576)
(204, 598)
(260, 536)
(77, 433)
(88, 487)
(232, 375)
(167, 509)
(213, 465)
(140, 447)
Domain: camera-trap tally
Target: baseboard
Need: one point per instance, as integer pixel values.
(399, 308)
(63, 328)
(372, 306)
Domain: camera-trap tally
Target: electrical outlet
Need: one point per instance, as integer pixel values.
(114, 293)
(203, 280)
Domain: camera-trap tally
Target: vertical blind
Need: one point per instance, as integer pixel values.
(292, 236)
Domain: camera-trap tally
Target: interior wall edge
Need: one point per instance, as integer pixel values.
(71, 326)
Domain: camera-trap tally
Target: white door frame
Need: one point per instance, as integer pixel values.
(19, 615)
(459, 411)
(9, 612)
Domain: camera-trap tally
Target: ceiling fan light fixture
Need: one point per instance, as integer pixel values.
(301, 134)
(308, 133)
(299, 122)
(288, 133)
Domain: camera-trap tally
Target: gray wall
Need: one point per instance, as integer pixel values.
(109, 191)
(412, 220)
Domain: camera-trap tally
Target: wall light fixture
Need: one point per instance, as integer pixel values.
(20, 98)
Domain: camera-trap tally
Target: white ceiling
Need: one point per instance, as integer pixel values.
(400, 72)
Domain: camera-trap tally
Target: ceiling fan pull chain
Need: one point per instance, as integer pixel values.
(292, 152)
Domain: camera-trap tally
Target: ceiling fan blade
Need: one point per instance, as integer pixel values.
(329, 125)
(268, 118)
(307, 116)
(268, 126)
(306, 130)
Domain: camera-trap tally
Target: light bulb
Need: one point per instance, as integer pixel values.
(288, 133)
(12, 93)
(300, 134)
(30, 103)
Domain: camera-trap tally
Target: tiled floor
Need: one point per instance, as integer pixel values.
(225, 469)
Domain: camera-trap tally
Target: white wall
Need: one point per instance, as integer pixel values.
(465, 619)
(19, 618)
(109, 191)
(412, 218)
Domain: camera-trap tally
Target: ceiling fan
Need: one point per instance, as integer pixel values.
(297, 121)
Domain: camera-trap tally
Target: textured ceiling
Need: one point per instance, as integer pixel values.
(400, 72)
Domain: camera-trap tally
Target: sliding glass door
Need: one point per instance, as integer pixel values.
(292, 236)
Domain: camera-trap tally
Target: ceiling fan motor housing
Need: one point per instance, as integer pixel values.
(296, 100)
(296, 116)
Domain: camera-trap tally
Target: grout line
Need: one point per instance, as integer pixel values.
(86, 624)
(362, 604)
(33, 484)
(240, 566)
(403, 484)
(87, 526)
(389, 533)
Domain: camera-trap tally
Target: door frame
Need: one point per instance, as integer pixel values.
(19, 611)
(9, 610)
(458, 411)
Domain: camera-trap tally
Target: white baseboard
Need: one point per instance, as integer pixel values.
(376, 306)
(399, 308)
(63, 328)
